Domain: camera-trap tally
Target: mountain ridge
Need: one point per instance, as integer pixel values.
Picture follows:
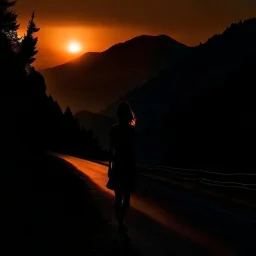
(113, 47)
(95, 80)
(202, 102)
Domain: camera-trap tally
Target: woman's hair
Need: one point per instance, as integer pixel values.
(125, 114)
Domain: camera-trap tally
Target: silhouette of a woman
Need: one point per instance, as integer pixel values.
(122, 175)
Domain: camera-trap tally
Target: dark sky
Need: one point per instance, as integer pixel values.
(189, 21)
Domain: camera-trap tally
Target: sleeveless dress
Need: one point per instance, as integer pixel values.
(123, 175)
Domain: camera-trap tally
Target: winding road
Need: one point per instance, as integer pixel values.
(164, 221)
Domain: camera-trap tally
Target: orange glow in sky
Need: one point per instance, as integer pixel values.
(74, 47)
(61, 44)
(100, 24)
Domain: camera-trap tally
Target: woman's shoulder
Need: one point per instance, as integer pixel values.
(133, 131)
(117, 127)
(132, 128)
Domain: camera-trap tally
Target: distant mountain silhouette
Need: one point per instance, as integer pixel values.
(95, 80)
(199, 112)
(99, 124)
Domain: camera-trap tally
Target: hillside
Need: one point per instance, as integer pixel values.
(95, 80)
(196, 113)
(99, 124)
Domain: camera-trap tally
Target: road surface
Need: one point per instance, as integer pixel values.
(158, 223)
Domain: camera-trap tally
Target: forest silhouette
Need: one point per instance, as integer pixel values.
(34, 120)
(47, 209)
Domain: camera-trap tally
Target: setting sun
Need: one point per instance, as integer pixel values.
(74, 47)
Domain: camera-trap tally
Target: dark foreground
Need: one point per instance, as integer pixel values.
(55, 206)
(48, 210)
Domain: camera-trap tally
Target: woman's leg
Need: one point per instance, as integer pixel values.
(118, 206)
(126, 203)
(122, 210)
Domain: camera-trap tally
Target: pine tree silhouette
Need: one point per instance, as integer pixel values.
(8, 24)
(29, 42)
(8, 19)
(68, 113)
(8, 35)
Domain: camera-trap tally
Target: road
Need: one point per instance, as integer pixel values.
(159, 223)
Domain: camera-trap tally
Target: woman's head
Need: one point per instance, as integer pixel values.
(125, 113)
